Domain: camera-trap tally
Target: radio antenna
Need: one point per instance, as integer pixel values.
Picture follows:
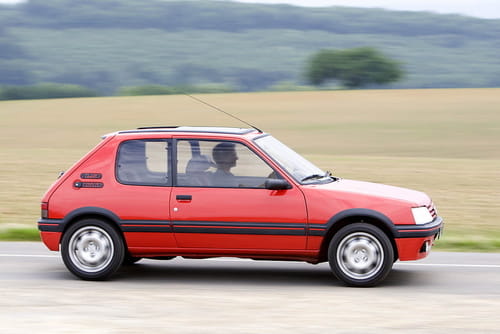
(222, 111)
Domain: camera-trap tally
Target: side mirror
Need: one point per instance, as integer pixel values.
(277, 184)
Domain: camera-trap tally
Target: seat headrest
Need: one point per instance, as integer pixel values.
(199, 164)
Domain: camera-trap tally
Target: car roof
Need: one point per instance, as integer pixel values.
(202, 129)
(188, 130)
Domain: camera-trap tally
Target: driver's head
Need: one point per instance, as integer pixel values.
(224, 155)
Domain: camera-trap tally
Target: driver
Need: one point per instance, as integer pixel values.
(225, 157)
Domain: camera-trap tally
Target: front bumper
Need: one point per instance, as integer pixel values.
(414, 242)
(435, 227)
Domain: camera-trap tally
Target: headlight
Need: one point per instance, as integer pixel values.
(421, 215)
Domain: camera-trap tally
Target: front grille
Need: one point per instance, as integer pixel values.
(432, 210)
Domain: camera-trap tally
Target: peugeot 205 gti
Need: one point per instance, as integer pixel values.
(201, 192)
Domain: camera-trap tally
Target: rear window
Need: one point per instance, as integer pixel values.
(143, 162)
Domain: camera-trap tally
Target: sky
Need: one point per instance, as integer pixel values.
(489, 9)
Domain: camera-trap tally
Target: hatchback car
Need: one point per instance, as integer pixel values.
(201, 192)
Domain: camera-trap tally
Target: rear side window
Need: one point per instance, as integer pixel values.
(143, 162)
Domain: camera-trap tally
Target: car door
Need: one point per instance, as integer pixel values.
(219, 200)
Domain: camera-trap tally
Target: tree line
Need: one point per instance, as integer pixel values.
(56, 91)
(228, 16)
(353, 68)
(107, 45)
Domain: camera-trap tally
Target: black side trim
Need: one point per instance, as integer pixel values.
(165, 226)
(238, 224)
(159, 226)
(209, 230)
(51, 225)
(318, 231)
(251, 228)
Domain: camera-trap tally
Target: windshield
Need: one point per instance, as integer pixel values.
(298, 167)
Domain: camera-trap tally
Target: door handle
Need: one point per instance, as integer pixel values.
(183, 197)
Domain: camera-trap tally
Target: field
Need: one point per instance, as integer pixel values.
(443, 142)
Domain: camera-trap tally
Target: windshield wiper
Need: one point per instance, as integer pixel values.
(317, 176)
(313, 177)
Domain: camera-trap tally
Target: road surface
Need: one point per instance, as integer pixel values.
(445, 293)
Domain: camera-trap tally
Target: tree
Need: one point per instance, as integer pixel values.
(13, 57)
(354, 68)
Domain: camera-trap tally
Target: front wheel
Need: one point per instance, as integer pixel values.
(92, 249)
(360, 255)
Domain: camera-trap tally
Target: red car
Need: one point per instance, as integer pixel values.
(201, 192)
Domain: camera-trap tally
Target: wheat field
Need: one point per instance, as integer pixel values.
(445, 142)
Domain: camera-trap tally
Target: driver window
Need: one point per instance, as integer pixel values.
(203, 163)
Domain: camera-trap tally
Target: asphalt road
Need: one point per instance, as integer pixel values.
(445, 293)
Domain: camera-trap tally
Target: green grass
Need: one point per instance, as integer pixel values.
(20, 234)
(456, 242)
(443, 142)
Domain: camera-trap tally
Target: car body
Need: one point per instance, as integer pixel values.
(201, 192)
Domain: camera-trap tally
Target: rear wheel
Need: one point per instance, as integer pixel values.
(92, 249)
(360, 255)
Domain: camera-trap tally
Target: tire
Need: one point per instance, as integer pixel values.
(361, 255)
(92, 249)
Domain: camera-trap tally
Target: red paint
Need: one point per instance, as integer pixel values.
(255, 223)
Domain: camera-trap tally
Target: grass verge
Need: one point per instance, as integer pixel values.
(20, 234)
(449, 243)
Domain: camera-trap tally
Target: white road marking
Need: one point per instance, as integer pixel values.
(26, 255)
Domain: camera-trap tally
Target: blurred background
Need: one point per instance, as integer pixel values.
(401, 92)
(111, 47)
(404, 94)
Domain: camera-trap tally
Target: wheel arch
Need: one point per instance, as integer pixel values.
(352, 216)
(92, 213)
